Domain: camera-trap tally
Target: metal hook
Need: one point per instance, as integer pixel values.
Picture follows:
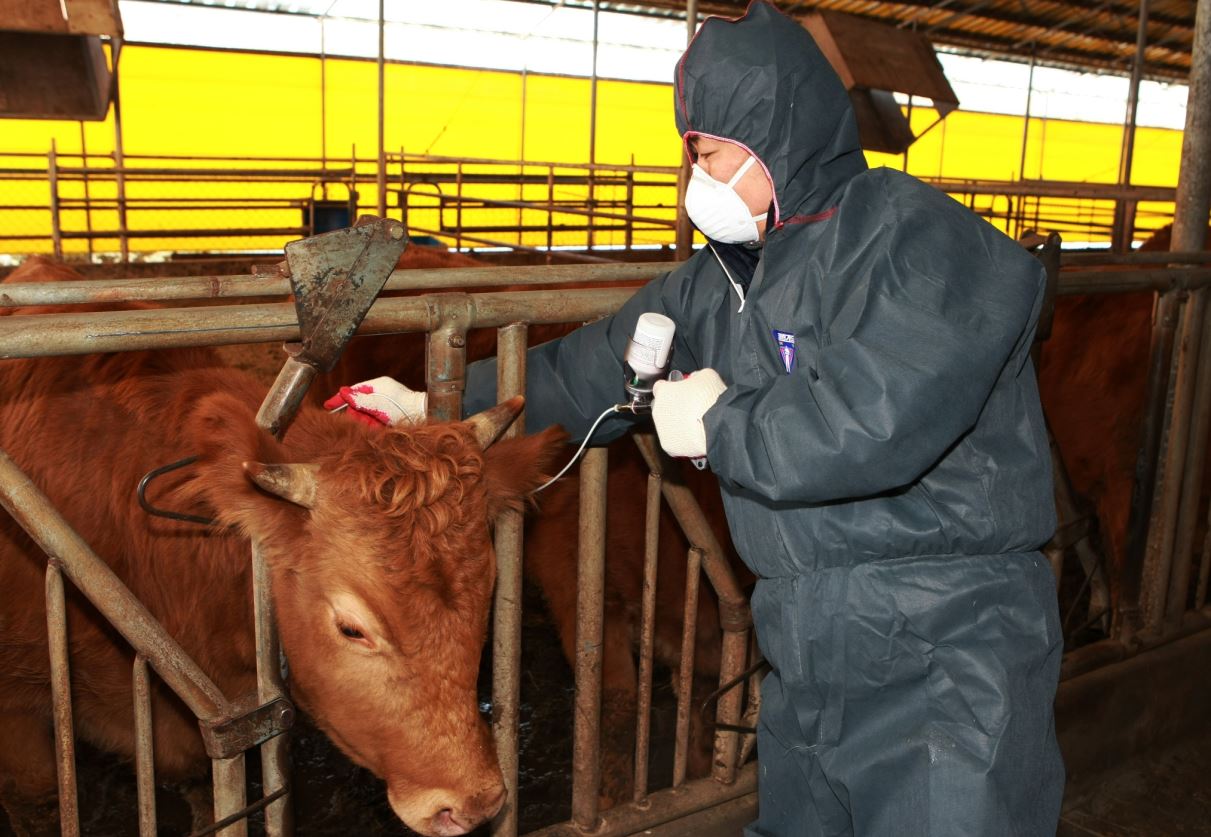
(727, 687)
(171, 515)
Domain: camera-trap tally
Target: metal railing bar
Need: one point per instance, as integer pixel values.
(60, 690)
(275, 753)
(590, 603)
(647, 636)
(145, 778)
(664, 806)
(79, 292)
(41, 335)
(230, 795)
(491, 242)
(685, 665)
(507, 611)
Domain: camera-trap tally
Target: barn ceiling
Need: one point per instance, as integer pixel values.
(1097, 35)
(1092, 36)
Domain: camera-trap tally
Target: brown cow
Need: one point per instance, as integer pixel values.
(378, 546)
(551, 537)
(1093, 383)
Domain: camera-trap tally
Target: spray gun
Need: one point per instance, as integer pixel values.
(646, 360)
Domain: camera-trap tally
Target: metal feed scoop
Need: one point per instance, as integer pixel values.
(335, 277)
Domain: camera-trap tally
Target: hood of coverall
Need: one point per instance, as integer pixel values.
(761, 81)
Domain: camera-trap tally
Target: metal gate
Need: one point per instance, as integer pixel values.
(446, 317)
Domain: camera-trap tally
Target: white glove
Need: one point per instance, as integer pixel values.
(678, 408)
(380, 401)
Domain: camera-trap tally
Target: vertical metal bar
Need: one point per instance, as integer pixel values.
(521, 156)
(230, 794)
(685, 665)
(323, 97)
(382, 118)
(550, 210)
(1190, 494)
(458, 209)
(60, 690)
(56, 218)
(506, 627)
(1124, 215)
(647, 636)
(590, 603)
(120, 165)
(446, 370)
(145, 769)
(1162, 523)
(732, 662)
(275, 753)
(88, 213)
(630, 209)
(1165, 318)
(593, 95)
(1192, 204)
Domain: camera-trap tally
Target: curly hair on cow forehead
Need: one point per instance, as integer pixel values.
(428, 473)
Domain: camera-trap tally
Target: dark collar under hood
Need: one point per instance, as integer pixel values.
(760, 80)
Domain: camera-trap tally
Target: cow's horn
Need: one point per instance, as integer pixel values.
(296, 483)
(488, 425)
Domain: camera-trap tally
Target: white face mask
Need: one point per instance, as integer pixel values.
(718, 211)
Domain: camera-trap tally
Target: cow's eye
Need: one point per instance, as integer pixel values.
(352, 632)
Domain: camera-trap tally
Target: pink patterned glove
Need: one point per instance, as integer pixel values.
(382, 401)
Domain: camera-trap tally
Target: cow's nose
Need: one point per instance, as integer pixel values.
(451, 822)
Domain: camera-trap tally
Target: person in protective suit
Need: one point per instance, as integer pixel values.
(857, 346)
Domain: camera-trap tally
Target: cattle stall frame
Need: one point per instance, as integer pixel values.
(446, 317)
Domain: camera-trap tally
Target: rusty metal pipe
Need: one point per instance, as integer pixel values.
(685, 665)
(735, 618)
(275, 753)
(647, 636)
(241, 286)
(116, 331)
(506, 626)
(31, 509)
(698, 530)
(446, 357)
(1110, 651)
(1080, 282)
(665, 806)
(725, 760)
(1190, 494)
(1162, 524)
(60, 691)
(56, 218)
(1165, 321)
(230, 793)
(145, 771)
(590, 602)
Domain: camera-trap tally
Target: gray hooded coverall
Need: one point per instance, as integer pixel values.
(888, 481)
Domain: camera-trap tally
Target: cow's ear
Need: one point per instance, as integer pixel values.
(513, 468)
(223, 428)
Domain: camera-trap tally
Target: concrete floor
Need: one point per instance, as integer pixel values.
(1166, 794)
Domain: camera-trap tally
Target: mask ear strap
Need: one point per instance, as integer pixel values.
(748, 164)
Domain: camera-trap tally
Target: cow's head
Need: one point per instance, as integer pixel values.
(382, 570)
